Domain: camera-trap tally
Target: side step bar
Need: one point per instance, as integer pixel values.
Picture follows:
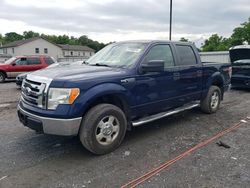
(162, 115)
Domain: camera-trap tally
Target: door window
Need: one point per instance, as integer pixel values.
(161, 52)
(21, 61)
(49, 61)
(33, 61)
(186, 54)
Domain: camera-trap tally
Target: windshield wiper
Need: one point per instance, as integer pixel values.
(100, 64)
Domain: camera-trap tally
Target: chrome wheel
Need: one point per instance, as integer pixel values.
(107, 130)
(215, 100)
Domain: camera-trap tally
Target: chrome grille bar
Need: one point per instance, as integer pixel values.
(34, 91)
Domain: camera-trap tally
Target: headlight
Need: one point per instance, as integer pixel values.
(61, 96)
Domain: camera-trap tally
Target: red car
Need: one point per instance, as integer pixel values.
(17, 65)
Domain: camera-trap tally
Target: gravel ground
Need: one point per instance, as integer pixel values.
(32, 160)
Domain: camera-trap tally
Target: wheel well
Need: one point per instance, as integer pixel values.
(114, 99)
(1, 71)
(219, 83)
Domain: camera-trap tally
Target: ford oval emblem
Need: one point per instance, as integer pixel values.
(27, 90)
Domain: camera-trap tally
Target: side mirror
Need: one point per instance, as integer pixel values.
(13, 64)
(153, 66)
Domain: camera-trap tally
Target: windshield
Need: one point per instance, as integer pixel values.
(10, 60)
(117, 55)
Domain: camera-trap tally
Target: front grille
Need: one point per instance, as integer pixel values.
(33, 93)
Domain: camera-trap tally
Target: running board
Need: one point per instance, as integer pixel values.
(162, 115)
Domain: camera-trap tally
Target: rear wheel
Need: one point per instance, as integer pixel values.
(212, 101)
(2, 77)
(103, 128)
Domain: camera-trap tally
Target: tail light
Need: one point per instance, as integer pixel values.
(228, 71)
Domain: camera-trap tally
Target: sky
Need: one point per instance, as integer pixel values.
(117, 20)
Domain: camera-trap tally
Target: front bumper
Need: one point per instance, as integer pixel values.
(54, 126)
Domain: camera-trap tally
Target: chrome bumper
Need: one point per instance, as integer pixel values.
(54, 126)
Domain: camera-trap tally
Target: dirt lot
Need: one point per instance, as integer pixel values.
(31, 160)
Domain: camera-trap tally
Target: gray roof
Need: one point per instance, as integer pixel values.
(19, 42)
(75, 47)
(63, 46)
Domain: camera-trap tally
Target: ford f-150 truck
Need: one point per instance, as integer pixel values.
(240, 57)
(125, 84)
(20, 64)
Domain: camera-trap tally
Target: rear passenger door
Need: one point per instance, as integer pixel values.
(34, 64)
(189, 76)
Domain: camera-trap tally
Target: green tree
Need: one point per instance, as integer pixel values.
(30, 34)
(1, 39)
(241, 34)
(73, 41)
(216, 43)
(61, 39)
(12, 36)
(84, 40)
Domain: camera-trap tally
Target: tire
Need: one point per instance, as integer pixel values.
(211, 103)
(2, 77)
(103, 128)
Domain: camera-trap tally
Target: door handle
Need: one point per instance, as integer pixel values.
(199, 73)
(177, 76)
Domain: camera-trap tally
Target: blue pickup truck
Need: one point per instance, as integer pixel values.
(125, 84)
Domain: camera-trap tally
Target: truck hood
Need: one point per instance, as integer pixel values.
(77, 72)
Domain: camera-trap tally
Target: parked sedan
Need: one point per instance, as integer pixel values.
(21, 64)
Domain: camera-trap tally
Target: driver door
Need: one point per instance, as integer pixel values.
(156, 91)
(19, 66)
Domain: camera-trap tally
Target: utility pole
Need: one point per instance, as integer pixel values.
(170, 22)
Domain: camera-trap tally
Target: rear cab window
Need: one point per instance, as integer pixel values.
(186, 55)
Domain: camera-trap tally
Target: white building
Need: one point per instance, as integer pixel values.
(41, 46)
(75, 52)
(219, 57)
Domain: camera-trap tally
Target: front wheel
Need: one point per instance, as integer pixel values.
(211, 103)
(2, 77)
(103, 128)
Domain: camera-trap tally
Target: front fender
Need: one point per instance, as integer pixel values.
(85, 99)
